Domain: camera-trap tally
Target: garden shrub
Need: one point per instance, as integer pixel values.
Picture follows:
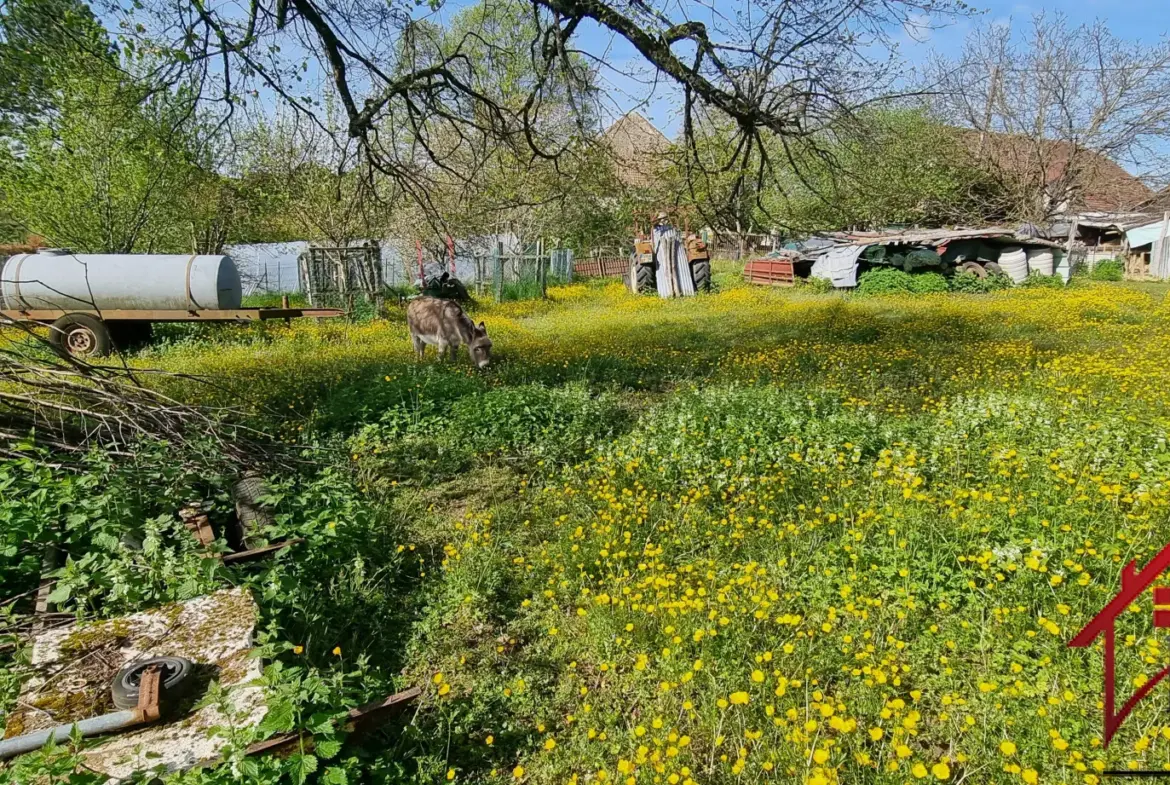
(1108, 270)
(998, 282)
(1037, 280)
(927, 283)
(970, 283)
(885, 280)
(814, 285)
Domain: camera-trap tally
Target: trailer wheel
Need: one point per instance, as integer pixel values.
(80, 335)
(176, 678)
(701, 274)
(973, 267)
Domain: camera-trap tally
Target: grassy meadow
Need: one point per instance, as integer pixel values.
(755, 536)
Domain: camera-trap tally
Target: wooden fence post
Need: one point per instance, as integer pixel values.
(542, 263)
(498, 271)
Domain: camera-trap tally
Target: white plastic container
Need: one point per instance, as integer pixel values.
(1014, 262)
(1041, 260)
(1062, 264)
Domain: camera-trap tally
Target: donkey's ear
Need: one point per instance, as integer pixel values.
(481, 326)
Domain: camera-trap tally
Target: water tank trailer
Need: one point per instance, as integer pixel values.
(94, 302)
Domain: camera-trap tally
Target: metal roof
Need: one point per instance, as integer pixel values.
(937, 237)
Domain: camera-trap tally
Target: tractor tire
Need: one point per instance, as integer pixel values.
(701, 274)
(253, 517)
(645, 282)
(80, 335)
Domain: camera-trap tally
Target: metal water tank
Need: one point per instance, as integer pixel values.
(55, 278)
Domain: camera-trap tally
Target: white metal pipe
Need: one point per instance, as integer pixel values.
(93, 726)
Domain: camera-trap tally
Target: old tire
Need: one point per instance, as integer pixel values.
(252, 515)
(993, 268)
(701, 274)
(80, 335)
(972, 267)
(644, 279)
(177, 676)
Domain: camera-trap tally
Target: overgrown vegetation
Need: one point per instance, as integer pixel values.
(1108, 270)
(890, 280)
(739, 537)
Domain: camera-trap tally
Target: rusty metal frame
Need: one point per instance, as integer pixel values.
(253, 554)
(169, 315)
(363, 719)
(149, 687)
(197, 523)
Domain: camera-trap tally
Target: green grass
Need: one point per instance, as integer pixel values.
(757, 535)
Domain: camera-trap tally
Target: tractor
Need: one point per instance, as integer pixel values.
(645, 267)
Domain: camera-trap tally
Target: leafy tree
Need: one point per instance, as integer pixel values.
(108, 173)
(41, 43)
(301, 185)
(881, 168)
(420, 114)
(871, 170)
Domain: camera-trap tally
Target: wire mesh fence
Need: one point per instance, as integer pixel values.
(500, 267)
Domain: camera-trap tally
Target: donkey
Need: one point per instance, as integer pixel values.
(442, 323)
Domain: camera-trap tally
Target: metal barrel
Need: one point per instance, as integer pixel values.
(52, 278)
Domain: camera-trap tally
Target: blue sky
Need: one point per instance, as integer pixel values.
(1137, 20)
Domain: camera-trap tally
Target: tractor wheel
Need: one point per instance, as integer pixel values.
(701, 274)
(644, 280)
(80, 335)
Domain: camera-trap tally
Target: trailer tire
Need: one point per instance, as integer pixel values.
(177, 677)
(253, 517)
(973, 267)
(701, 274)
(80, 335)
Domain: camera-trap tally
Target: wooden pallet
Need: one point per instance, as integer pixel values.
(770, 272)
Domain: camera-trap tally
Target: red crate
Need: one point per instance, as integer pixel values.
(770, 272)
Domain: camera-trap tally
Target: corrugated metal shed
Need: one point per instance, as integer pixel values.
(933, 238)
(1143, 235)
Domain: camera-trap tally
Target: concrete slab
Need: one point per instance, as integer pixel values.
(74, 666)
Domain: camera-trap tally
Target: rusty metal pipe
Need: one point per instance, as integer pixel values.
(106, 723)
